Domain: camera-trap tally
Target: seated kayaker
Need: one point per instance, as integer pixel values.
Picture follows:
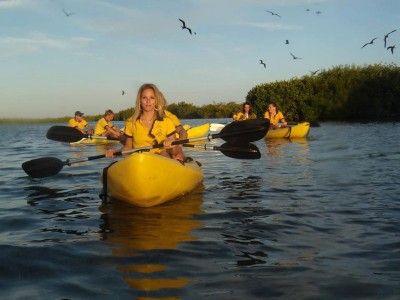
(105, 127)
(80, 123)
(275, 116)
(245, 114)
(149, 125)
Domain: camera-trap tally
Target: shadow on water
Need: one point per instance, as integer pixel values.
(146, 236)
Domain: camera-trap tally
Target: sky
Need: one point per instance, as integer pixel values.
(52, 64)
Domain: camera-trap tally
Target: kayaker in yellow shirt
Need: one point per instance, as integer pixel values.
(245, 114)
(275, 116)
(105, 127)
(80, 123)
(149, 125)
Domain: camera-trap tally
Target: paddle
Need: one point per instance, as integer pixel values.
(249, 151)
(237, 132)
(71, 135)
(49, 166)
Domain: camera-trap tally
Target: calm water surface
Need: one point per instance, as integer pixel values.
(317, 218)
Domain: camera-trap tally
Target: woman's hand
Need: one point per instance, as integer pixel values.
(110, 153)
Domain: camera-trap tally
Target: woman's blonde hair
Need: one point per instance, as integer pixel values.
(161, 103)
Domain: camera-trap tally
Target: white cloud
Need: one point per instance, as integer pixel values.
(14, 3)
(36, 42)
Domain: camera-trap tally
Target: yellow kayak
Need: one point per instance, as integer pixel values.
(147, 179)
(300, 130)
(86, 141)
(198, 131)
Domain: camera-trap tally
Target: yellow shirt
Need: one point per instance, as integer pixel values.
(143, 137)
(101, 126)
(173, 118)
(75, 124)
(276, 119)
(240, 116)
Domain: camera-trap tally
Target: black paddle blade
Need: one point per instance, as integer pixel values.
(248, 151)
(243, 132)
(43, 167)
(65, 134)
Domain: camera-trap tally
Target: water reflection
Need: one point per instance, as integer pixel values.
(137, 232)
(275, 147)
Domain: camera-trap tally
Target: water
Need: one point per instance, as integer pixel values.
(312, 219)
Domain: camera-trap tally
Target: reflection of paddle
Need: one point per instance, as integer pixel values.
(236, 132)
(249, 151)
(49, 166)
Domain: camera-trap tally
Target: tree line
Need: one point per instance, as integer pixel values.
(343, 93)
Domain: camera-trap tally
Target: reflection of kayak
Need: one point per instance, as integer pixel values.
(300, 130)
(86, 141)
(198, 131)
(146, 179)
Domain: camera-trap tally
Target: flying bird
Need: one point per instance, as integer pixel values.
(318, 12)
(314, 72)
(294, 57)
(287, 42)
(67, 14)
(185, 27)
(123, 92)
(263, 63)
(369, 43)
(273, 13)
(391, 48)
(307, 9)
(387, 35)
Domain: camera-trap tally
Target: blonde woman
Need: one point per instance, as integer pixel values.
(149, 125)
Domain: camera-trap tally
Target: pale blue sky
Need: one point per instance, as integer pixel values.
(52, 65)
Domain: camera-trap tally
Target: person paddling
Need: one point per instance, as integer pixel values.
(80, 123)
(105, 127)
(245, 114)
(275, 116)
(149, 125)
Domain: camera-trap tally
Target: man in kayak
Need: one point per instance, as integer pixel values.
(149, 125)
(245, 114)
(105, 127)
(275, 116)
(80, 123)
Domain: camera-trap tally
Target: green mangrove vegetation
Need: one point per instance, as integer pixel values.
(343, 93)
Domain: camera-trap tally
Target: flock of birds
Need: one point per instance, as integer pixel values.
(385, 40)
(275, 14)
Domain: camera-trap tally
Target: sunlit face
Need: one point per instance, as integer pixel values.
(271, 109)
(148, 100)
(109, 117)
(247, 108)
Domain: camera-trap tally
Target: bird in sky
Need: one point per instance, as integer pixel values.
(314, 72)
(66, 13)
(294, 57)
(185, 27)
(369, 43)
(318, 12)
(273, 13)
(391, 48)
(287, 42)
(263, 63)
(123, 92)
(307, 9)
(386, 36)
